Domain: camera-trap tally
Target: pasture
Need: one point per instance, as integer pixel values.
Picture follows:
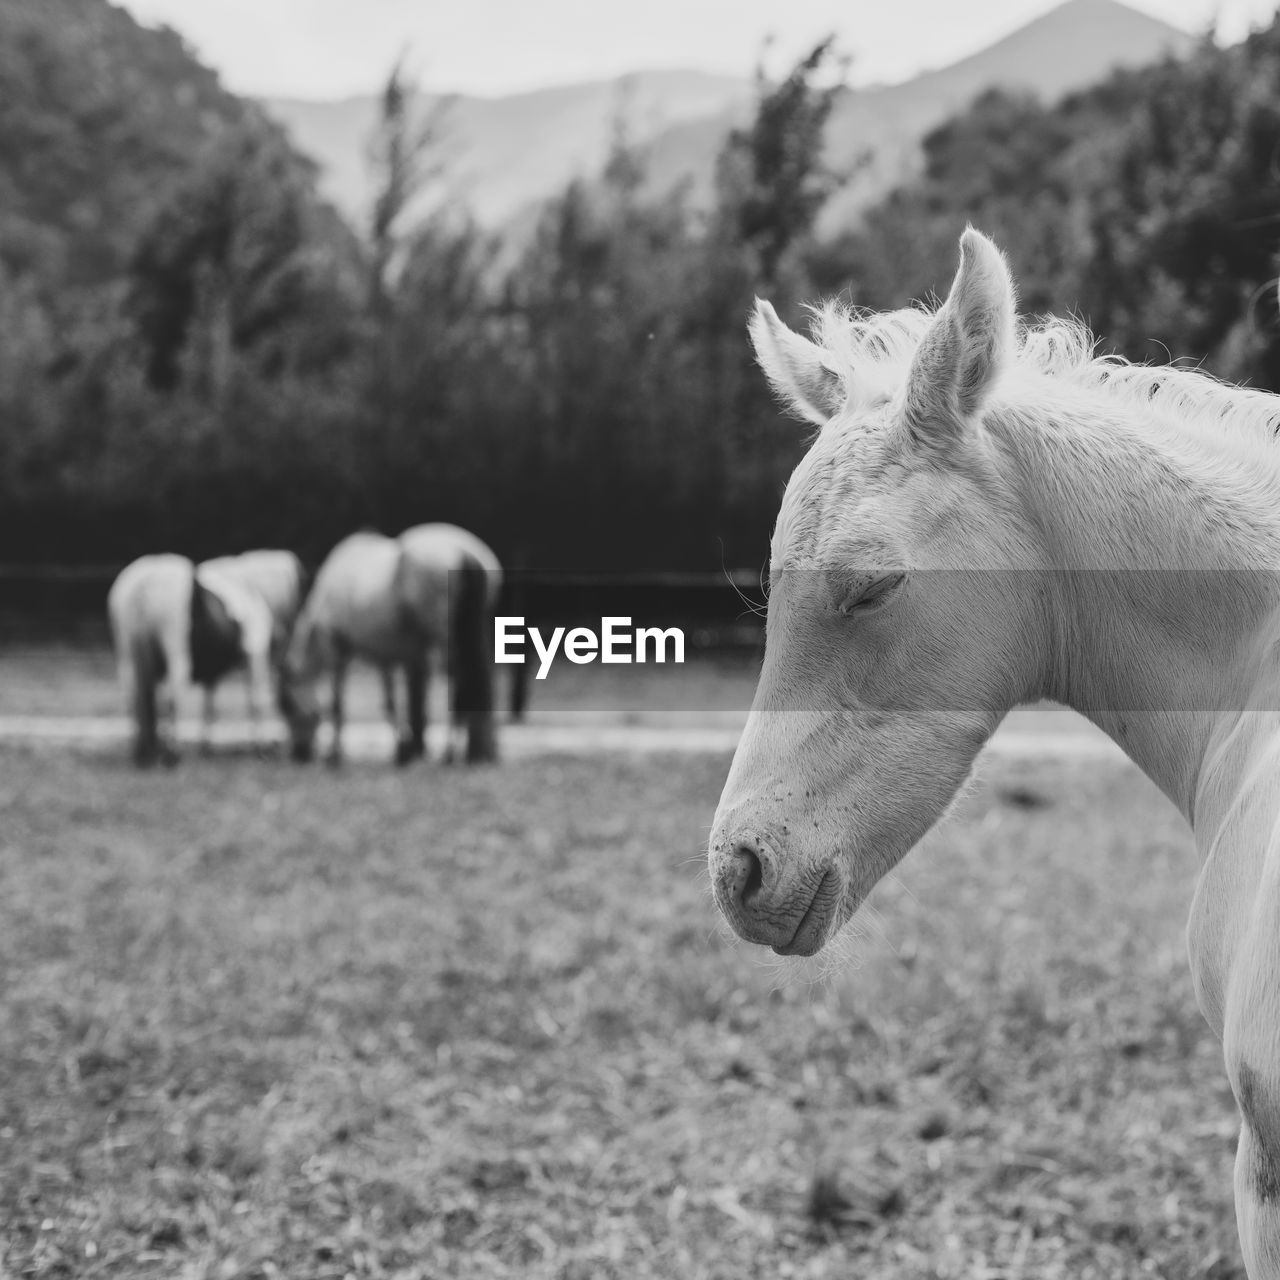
(258, 1021)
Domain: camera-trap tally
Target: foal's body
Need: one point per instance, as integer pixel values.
(989, 518)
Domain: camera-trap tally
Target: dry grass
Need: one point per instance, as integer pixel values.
(264, 1022)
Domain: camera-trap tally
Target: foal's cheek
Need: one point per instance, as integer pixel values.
(856, 688)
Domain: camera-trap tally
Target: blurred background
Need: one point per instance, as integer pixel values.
(236, 319)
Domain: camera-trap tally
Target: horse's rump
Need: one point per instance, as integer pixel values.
(420, 603)
(273, 577)
(449, 582)
(148, 609)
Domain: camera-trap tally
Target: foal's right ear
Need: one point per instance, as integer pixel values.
(797, 369)
(967, 347)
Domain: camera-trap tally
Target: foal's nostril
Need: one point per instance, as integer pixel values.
(748, 873)
(754, 878)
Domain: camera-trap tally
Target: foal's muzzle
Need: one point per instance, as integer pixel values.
(768, 900)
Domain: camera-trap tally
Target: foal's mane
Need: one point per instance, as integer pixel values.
(871, 351)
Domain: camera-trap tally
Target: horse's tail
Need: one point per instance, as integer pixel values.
(471, 657)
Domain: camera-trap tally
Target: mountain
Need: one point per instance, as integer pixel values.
(1073, 46)
(98, 115)
(504, 153)
(507, 154)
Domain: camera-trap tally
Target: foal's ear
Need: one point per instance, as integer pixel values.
(968, 345)
(797, 369)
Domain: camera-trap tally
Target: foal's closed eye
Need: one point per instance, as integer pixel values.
(871, 595)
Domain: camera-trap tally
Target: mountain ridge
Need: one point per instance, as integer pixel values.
(506, 154)
(489, 143)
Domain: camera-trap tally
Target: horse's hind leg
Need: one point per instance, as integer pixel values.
(337, 707)
(138, 678)
(176, 651)
(258, 689)
(413, 746)
(207, 720)
(387, 675)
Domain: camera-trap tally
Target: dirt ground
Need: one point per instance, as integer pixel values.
(258, 1021)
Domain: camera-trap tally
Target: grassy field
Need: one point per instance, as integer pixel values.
(258, 1021)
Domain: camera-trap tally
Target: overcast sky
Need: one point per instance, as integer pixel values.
(330, 48)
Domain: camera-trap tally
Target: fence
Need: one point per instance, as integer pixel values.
(68, 602)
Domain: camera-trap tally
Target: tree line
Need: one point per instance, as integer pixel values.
(215, 361)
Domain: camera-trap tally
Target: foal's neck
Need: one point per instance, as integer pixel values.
(1161, 550)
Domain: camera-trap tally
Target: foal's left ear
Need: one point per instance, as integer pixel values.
(967, 347)
(797, 369)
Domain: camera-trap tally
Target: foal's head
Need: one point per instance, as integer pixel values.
(892, 651)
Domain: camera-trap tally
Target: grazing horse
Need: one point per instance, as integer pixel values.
(399, 602)
(991, 515)
(277, 576)
(172, 621)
